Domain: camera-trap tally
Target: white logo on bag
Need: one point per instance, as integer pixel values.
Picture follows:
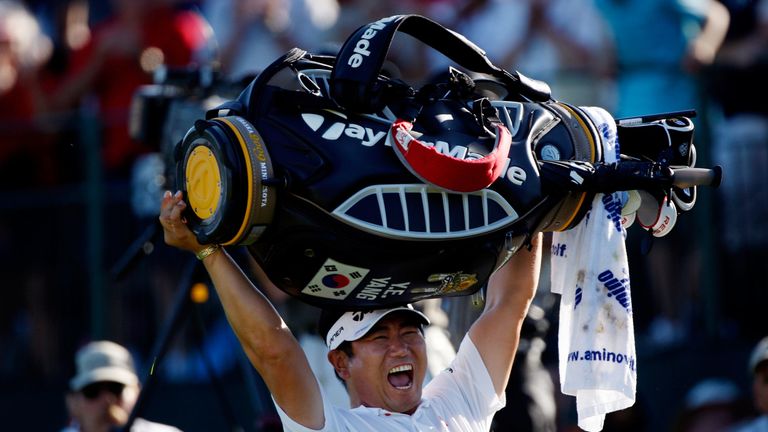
(367, 136)
(515, 174)
(458, 152)
(382, 288)
(361, 46)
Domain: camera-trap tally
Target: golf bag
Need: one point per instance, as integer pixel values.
(352, 189)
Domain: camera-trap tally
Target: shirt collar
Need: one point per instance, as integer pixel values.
(381, 412)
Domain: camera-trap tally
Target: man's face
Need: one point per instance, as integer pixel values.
(760, 387)
(389, 363)
(101, 406)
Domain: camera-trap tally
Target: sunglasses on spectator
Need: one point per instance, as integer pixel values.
(92, 391)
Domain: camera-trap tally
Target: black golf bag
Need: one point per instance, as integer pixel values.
(353, 189)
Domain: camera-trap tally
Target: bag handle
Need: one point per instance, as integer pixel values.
(355, 82)
(446, 171)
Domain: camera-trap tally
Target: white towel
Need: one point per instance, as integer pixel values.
(596, 332)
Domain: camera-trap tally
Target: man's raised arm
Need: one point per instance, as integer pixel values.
(496, 333)
(266, 340)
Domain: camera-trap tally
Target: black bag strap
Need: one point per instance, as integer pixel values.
(355, 82)
(250, 99)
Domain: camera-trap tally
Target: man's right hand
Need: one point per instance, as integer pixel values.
(175, 230)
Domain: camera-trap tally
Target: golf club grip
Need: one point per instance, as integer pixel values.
(689, 177)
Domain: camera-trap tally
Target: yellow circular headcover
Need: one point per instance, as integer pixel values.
(227, 174)
(203, 180)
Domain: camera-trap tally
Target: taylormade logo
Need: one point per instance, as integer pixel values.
(362, 45)
(367, 136)
(459, 152)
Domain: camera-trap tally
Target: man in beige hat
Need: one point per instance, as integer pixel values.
(104, 391)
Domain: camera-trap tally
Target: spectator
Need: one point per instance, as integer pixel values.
(121, 55)
(27, 318)
(253, 33)
(711, 405)
(66, 22)
(660, 47)
(25, 150)
(740, 145)
(104, 390)
(543, 39)
(758, 368)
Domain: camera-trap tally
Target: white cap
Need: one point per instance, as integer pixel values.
(759, 354)
(353, 325)
(103, 361)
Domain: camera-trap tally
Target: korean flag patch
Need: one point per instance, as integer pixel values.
(335, 280)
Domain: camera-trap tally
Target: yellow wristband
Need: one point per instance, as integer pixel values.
(207, 251)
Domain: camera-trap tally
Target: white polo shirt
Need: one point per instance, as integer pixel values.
(461, 398)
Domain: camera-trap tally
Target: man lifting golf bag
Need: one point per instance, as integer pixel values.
(355, 190)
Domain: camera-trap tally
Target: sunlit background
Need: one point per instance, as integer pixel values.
(81, 174)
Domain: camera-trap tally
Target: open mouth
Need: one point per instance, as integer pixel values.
(401, 377)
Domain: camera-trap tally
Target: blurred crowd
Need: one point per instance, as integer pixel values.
(82, 259)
